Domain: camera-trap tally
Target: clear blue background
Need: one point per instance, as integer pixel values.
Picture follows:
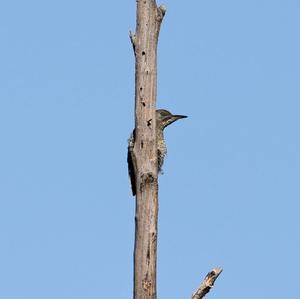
(230, 193)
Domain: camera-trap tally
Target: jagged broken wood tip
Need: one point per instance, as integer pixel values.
(207, 283)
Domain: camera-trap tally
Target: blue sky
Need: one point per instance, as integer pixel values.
(230, 193)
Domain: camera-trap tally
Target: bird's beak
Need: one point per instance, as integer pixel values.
(170, 119)
(179, 116)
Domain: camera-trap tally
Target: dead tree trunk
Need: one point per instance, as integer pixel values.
(143, 153)
(144, 150)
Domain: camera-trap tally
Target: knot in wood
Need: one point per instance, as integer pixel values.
(147, 179)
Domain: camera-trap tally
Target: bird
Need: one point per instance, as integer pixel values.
(163, 119)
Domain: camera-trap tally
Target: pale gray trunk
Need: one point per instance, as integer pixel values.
(144, 150)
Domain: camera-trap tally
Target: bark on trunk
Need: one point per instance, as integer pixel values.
(144, 151)
(143, 154)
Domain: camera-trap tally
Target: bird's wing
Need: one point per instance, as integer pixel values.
(130, 163)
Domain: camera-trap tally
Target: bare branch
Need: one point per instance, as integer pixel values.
(207, 283)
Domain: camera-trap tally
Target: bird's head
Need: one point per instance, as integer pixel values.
(165, 118)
